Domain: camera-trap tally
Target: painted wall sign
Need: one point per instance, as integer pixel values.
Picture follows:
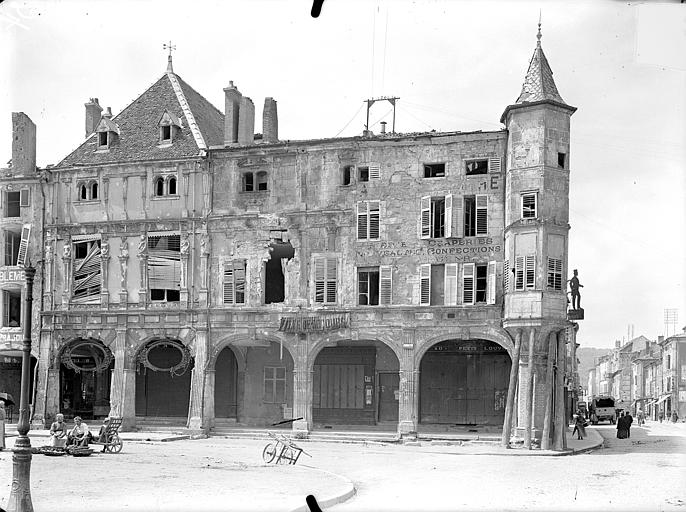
(436, 249)
(11, 337)
(310, 323)
(11, 274)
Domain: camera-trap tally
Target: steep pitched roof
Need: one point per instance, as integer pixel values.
(138, 124)
(538, 83)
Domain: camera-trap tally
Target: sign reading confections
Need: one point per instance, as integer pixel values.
(439, 249)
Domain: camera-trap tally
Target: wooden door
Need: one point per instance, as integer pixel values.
(389, 384)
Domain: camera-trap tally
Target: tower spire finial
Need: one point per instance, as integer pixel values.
(169, 47)
(538, 36)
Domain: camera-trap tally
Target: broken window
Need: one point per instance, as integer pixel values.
(325, 280)
(434, 170)
(87, 271)
(555, 273)
(529, 205)
(12, 204)
(164, 267)
(476, 167)
(234, 282)
(275, 271)
(11, 307)
(525, 272)
(476, 215)
(262, 180)
(274, 384)
(481, 282)
(12, 241)
(368, 220)
(347, 174)
(561, 157)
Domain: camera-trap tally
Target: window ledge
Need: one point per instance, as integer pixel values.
(102, 150)
(254, 193)
(87, 201)
(163, 145)
(168, 197)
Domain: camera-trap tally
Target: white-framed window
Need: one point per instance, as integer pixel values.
(164, 267)
(475, 215)
(439, 284)
(15, 201)
(525, 272)
(234, 282)
(436, 218)
(325, 280)
(87, 271)
(274, 384)
(555, 274)
(368, 217)
(374, 285)
(529, 205)
(11, 308)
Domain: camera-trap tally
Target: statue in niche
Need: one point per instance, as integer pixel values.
(48, 251)
(185, 245)
(66, 250)
(124, 249)
(142, 246)
(204, 245)
(574, 286)
(104, 249)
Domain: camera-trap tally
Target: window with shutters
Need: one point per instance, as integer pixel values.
(11, 308)
(525, 272)
(481, 276)
(468, 271)
(436, 217)
(476, 215)
(369, 172)
(434, 170)
(12, 241)
(529, 205)
(473, 167)
(368, 220)
(555, 274)
(87, 271)
(24, 245)
(506, 276)
(438, 285)
(325, 280)
(234, 282)
(12, 204)
(368, 286)
(274, 384)
(164, 267)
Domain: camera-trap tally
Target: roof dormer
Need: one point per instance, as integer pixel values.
(170, 127)
(107, 131)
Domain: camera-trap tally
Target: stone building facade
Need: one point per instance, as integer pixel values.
(206, 275)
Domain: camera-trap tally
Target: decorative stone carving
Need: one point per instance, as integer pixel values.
(143, 247)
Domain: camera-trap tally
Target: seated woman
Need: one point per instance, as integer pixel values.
(80, 434)
(58, 431)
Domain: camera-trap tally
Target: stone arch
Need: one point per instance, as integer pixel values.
(332, 341)
(235, 341)
(496, 335)
(67, 338)
(137, 340)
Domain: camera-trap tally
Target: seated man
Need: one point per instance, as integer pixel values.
(102, 435)
(80, 434)
(58, 431)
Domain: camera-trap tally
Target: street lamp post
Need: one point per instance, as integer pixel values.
(20, 495)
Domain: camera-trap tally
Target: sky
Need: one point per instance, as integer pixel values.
(455, 65)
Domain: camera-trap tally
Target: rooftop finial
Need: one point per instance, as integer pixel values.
(169, 47)
(538, 36)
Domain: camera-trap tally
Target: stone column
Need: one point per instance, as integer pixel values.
(528, 399)
(549, 390)
(409, 398)
(123, 273)
(204, 268)
(48, 269)
(105, 258)
(143, 259)
(66, 280)
(39, 407)
(302, 386)
(196, 420)
(510, 410)
(209, 398)
(52, 399)
(123, 384)
(560, 435)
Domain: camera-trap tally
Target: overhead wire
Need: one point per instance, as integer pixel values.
(348, 123)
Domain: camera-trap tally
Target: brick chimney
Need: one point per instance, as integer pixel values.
(270, 121)
(93, 113)
(232, 103)
(23, 144)
(246, 122)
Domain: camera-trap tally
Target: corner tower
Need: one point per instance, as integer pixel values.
(537, 199)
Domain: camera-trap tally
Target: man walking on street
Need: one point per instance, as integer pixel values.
(629, 420)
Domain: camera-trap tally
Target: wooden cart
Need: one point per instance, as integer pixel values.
(282, 450)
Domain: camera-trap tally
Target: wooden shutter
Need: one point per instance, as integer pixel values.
(490, 289)
(448, 216)
(374, 219)
(494, 164)
(457, 220)
(519, 273)
(374, 171)
(529, 207)
(555, 273)
(450, 284)
(425, 218)
(164, 262)
(425, 285)
(468, 270)
(362, 220)
(87, 274)
(481, 214)
(530, 263)
(319, 277)
(385, 284)
(506, 276)
(24, 245)
(234, 282)
(331, 279)
(24, 197)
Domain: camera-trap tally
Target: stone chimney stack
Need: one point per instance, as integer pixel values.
(246, 122)
(232, 104)
(93, 113)
(23, 144)
(270, 121)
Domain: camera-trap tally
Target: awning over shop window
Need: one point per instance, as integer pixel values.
(662, 399)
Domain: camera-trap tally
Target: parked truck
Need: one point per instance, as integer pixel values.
(602, 408)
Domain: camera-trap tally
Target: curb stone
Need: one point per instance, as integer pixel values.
(329, 501)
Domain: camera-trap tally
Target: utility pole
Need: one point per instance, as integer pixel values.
(20, 495)
(371, 101)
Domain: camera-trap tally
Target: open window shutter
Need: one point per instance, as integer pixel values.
(424, 285)
(449, 216)
(87, 274)
(24, 245)
(24, 197)
(164, 262)
(450, 284)
(374, 207)
(240, 281)
(530, 271)
(425, 217)
(362, 233)
(494, 164)
(481, 214)
(519, 273)
(319, 275)
(229, 284)
(457, 219)
(506, 276)
(490, 289)
(331, 279)
(374, 171)
(385, 284)
(468, 270)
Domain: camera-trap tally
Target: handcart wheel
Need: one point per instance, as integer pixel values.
(269, 453)
(286, 456)
(116, 444)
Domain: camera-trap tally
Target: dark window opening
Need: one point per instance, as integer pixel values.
(561, 160)
(172, 186)
(94, 191)
(437, 217)
(166, 133)
(102, 139)
(275, 287)
(159, 187)
(363, 174)
(347, 174)
(469, 216)
(248, 182)
(12, 241)
(434, 170)
(11, 308)
(368, 287)
(83, 192)
(481, 282)
(13, 204)
(81, 250)
(261, 180)
(477, 167)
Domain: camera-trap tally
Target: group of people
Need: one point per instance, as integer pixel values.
(79, 435)
(624, 422)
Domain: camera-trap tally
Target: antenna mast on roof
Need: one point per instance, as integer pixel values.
(371, 101)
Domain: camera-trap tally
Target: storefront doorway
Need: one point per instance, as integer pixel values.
(225, 385)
